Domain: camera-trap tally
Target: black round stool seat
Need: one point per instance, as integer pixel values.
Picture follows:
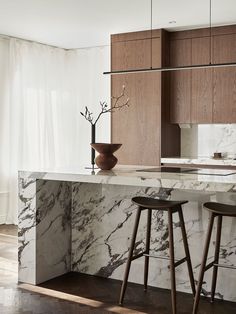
(153, 203)
(221, 209)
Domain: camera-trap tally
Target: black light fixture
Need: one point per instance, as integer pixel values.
(177, 68)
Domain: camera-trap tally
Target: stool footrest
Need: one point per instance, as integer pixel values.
(155, 256)
(176, 264)
(209, 266)
(137, 256)
(181, 261)
(218, 265)
(225, 266)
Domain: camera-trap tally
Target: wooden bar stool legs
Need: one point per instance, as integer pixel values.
(218, 210)
(216, 257)
(203, 265)
(149, 205)
(213, 264)
(186, 249)
(172, 261)
(147, 248)
(130, 256)
(187, 258)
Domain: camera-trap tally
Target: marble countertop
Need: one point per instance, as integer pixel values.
(127, 175)
(199, 161)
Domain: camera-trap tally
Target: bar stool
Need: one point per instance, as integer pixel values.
(217, 210)
(146, 203)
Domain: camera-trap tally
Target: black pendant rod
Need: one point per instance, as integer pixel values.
(166, 69)
(151, 37)
(210, 19)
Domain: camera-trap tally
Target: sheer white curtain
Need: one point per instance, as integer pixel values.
(4, 128)
(47, 88)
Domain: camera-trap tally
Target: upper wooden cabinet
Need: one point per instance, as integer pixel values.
(201, 88)
(224, 79)
(180, 86)
(204, 95)
(182, 96)
(224, 48)
(141, 127)
(135, 52)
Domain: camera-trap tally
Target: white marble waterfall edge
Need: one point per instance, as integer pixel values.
(44, 234)
(86, 227)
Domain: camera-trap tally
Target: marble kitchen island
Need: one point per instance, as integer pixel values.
(81, 221)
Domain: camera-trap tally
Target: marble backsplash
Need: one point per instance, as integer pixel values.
(203, 140)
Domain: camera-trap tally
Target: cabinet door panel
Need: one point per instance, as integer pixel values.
(138, 127)
(180, 82)
(224, 95)
(224, 79)
(224, 48)
(180, 96)
(135, 54)
(201, 106)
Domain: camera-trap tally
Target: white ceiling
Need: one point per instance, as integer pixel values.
(86, 23)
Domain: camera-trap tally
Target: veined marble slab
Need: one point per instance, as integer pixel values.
(127, 175)
(75, 220)
(44, 229)
(200, 161)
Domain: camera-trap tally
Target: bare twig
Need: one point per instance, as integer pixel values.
(88, 115)
(104, 107)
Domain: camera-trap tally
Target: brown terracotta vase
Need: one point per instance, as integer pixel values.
(106, 160)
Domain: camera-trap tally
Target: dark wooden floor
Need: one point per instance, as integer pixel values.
(77, 293)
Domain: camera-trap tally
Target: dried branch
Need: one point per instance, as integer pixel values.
(104, 107)
(88, 115)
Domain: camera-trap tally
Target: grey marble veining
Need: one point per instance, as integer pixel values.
(27, 230)
(53, 229)
(103, 218)
(128, 176)
(44, 229)
(200, 161)
(86, 226)
(203, 140)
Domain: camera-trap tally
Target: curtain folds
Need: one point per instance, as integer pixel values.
(42, 93)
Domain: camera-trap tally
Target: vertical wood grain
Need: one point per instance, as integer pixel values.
(135, 54)
(180, 87)
(224, 79)
(201, 105)
(138, 127)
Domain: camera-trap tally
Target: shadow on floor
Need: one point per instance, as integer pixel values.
(106, 293)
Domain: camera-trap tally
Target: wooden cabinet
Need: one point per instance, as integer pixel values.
(140, 127)
(183, 96)
(224, 79)
(204, 95)
(135, 51)
(180, 86)
(191, 90)
(201, 90)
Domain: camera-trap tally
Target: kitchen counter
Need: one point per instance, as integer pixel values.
(200, 161)
(78, 220)
(127, 175)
